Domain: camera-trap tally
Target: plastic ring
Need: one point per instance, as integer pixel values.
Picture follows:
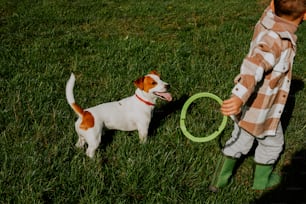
(183, 116)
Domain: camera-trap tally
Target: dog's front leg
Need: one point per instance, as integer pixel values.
(143, 134)
(81, 140)
(93, 139)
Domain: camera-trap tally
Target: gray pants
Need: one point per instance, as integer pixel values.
(267, 151)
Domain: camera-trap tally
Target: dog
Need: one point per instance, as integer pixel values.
(128, 114)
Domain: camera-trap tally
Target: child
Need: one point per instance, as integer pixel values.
(260, 94)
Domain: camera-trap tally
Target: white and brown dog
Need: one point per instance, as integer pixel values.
(128, 114)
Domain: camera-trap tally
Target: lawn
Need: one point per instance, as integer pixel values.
(196, 46)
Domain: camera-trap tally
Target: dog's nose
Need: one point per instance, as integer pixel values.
(167, 86)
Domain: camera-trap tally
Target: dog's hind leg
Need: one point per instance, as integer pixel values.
(93, 140)
(81, 140)
(91, 149)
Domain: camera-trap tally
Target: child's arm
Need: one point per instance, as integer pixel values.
(264, 54)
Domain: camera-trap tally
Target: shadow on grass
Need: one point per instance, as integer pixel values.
(293, 186)
(296, 86)
(161, 113)
(107, 138)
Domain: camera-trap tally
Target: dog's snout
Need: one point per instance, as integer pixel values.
(167, 86)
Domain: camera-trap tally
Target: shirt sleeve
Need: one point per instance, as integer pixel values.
(264, 53)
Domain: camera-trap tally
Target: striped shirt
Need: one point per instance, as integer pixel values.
(265, 75)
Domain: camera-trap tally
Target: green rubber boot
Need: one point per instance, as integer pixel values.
(264, 178)
(223, 173)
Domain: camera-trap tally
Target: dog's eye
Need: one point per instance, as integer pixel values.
(154, 82)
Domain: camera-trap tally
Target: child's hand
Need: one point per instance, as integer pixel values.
(231, 106)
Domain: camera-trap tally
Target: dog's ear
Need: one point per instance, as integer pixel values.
(139, 83)
(154, 72)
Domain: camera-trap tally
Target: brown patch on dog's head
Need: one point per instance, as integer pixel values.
(139, 83)
(145, 83)
(154, 72)
(152, 84)
(149, 83)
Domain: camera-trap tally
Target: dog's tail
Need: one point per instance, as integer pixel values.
(88, 120)
(70, 97)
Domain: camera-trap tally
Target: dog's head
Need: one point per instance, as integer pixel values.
(152, 84)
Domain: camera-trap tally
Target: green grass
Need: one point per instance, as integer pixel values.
(195, 45)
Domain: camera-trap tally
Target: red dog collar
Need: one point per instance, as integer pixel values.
(144, 101)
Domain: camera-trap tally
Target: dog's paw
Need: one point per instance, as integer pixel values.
(90, 153)
(143, 140)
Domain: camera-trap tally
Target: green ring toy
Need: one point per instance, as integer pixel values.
(183, 116)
